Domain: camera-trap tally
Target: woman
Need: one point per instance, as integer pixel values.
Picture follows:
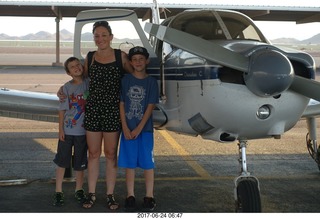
(105, 68)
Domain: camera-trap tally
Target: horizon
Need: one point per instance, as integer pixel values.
(64, 29)
(271, 29)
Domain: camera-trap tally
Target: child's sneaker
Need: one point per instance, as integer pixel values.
(80, 196)
(130, 204)
(58, 199)
(149, 204)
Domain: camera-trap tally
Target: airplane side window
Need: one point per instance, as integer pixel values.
(167, 49)
(241, 27)
(250, 33)
(191, 59)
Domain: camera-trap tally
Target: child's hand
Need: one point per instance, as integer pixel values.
(135, 133)
(61, 136)
(127, 134)
(61, 95)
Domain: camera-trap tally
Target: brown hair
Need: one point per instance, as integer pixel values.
(104, 24)
(66, 63)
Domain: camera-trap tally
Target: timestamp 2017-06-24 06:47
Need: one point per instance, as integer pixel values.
(159, 215)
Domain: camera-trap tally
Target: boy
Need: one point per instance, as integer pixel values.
(139, 94)
(71, 131)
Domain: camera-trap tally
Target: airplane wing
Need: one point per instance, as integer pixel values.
(29, 105)
(312, 110)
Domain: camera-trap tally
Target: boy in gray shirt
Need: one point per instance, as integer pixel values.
(71, 131)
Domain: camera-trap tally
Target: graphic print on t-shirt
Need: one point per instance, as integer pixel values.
(136, 94)
(78, 104)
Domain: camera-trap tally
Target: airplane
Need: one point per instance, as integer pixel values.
(245, 87)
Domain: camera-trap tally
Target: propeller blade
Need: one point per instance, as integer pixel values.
(198, 46)
(306, 87)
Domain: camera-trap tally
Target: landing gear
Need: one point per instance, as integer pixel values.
(246, 192)
(311, 140)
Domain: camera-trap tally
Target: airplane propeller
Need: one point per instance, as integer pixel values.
(267, 72)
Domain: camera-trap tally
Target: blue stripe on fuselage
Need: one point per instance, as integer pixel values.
(187, 73)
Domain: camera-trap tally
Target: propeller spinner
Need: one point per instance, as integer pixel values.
(270, 73)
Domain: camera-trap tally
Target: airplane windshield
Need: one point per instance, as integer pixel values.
(217, 25)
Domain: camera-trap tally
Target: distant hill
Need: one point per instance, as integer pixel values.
(313, 40)
(41, 35)
(66, 35)
(285, 41)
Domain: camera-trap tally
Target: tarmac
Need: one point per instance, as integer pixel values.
(192, 175)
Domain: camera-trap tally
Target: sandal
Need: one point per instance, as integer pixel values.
(90, 200)
(80, 196)
(111, 202)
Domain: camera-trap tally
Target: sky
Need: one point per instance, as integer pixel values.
(272, 30)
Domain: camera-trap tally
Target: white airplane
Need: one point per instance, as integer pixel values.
(220, 78)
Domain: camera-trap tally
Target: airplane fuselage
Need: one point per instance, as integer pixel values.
(226, 112)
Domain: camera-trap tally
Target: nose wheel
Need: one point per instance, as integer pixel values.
(247, 191)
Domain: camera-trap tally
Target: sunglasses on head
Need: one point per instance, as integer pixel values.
(100, 23)
(138, 49)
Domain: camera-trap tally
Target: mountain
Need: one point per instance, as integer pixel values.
(313, 40)
(290, 41)
(66, 35)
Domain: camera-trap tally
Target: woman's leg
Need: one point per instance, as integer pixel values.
(94, 140)
(111, 140)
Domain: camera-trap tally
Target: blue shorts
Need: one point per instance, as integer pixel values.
(63, 157)
(137, 152)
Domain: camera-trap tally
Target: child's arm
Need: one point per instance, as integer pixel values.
(61, 121)
(125, 129)
(143, 121)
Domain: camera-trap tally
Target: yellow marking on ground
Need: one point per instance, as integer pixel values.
(185, 155)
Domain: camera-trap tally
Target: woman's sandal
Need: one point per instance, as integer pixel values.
(90, 200)
(111, 202)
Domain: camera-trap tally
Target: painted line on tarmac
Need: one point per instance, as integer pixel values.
(185, 155)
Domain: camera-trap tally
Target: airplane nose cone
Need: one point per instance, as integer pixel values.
(270, 73)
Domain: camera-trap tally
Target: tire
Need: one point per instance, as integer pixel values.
(248, 197)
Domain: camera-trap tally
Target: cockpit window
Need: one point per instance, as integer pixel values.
(215, 25)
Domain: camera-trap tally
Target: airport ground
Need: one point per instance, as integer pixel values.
(192, 175)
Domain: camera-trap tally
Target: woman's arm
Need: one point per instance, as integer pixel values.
(126, 63)
(125, 129)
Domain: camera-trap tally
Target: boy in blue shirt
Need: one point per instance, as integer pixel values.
(71, 131)
(139, 95)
